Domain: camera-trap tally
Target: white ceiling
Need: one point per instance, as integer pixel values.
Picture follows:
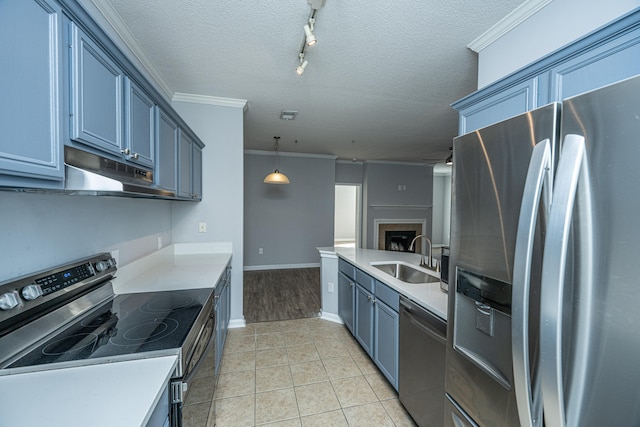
(378, 86)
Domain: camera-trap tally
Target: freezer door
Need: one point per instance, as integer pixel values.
(590, 336)
(489, 173)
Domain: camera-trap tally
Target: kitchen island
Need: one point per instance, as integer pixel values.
(427, 295)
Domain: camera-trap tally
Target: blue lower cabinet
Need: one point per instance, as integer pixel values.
(363, 328)
(385, 350)
(369, 309)
(346, 288)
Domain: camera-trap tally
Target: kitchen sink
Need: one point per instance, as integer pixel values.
(406, 272)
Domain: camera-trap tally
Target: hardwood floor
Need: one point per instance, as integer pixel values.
(271, 295)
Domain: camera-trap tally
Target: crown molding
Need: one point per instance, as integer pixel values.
(287, 154)
(117, 23)
(506, 24)
(210, 100)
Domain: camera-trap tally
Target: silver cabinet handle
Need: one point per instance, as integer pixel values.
(136, 156)
(537, 188)
(126, 151)
(572, 167)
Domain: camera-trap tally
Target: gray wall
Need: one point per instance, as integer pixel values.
(396, 191)
(287, 221)
(348, 172)
(40, 231)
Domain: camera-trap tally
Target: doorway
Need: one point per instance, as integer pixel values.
(346, 229)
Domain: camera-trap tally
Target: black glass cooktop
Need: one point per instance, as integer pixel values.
(130, 323)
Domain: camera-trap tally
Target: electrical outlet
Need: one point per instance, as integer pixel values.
(202, 227)
(399, 187)
(330, 287)
(159, 242)
(260, 251)
(115, 254)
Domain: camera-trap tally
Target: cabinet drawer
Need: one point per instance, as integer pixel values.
(364, 280)
(387, 295)
(347, 269)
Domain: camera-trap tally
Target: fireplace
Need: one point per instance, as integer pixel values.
(397, 236)
(398, 241)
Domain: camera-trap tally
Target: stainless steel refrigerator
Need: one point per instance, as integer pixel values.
(544, 297)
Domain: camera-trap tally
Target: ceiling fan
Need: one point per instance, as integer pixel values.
(448, 160)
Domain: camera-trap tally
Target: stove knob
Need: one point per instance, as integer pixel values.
(9, 300)
(102, 266)
(31, 292)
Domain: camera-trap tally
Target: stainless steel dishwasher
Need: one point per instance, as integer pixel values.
(423, 338)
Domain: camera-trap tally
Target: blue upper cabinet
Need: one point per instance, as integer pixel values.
(97, 95)
(512, 101)
(31, 106)
(196, 172)
(185, 156)
(167, 151)
(139, 125)
(602, 57)
(189, 167)
(616, 59)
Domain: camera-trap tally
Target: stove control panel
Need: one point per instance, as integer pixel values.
(30, 293)
(65, 278)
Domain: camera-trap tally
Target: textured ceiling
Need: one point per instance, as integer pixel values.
(378, 86)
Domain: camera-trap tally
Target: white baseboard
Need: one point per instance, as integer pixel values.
(237, 323)
(279, 266)
(332, 318)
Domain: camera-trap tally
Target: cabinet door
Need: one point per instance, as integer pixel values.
(345, 300)
(185, 151)
(385, 354)
(196, 175)
(364, 319)
(96, 88)
(30, 110)
(511, 102)
(606, 64)
(140, 125)
(167, 152)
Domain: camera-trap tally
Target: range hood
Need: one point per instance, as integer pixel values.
(87, 173)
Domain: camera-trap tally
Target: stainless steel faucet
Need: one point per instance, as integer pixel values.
(422, 259)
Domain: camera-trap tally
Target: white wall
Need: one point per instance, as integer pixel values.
(554, 26)
(345, 213)
(221, 129)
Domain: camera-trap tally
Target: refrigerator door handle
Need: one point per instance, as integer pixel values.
(571, 168)
(537, 188)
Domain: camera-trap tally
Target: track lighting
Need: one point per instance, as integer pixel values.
(309, 38)
(308, 32)
(300, 68)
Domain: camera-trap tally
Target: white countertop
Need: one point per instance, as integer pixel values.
(180, 266)
(109, 394)
(428, 295)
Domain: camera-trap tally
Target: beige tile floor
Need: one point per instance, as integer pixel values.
(307, 372)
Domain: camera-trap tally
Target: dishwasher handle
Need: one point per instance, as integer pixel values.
(424, 320)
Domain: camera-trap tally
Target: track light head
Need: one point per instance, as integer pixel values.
(300, 68)
(310, 37)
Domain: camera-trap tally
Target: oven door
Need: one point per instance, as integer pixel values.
(200, 364)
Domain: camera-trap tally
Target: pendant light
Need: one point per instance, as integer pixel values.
(276, 177)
